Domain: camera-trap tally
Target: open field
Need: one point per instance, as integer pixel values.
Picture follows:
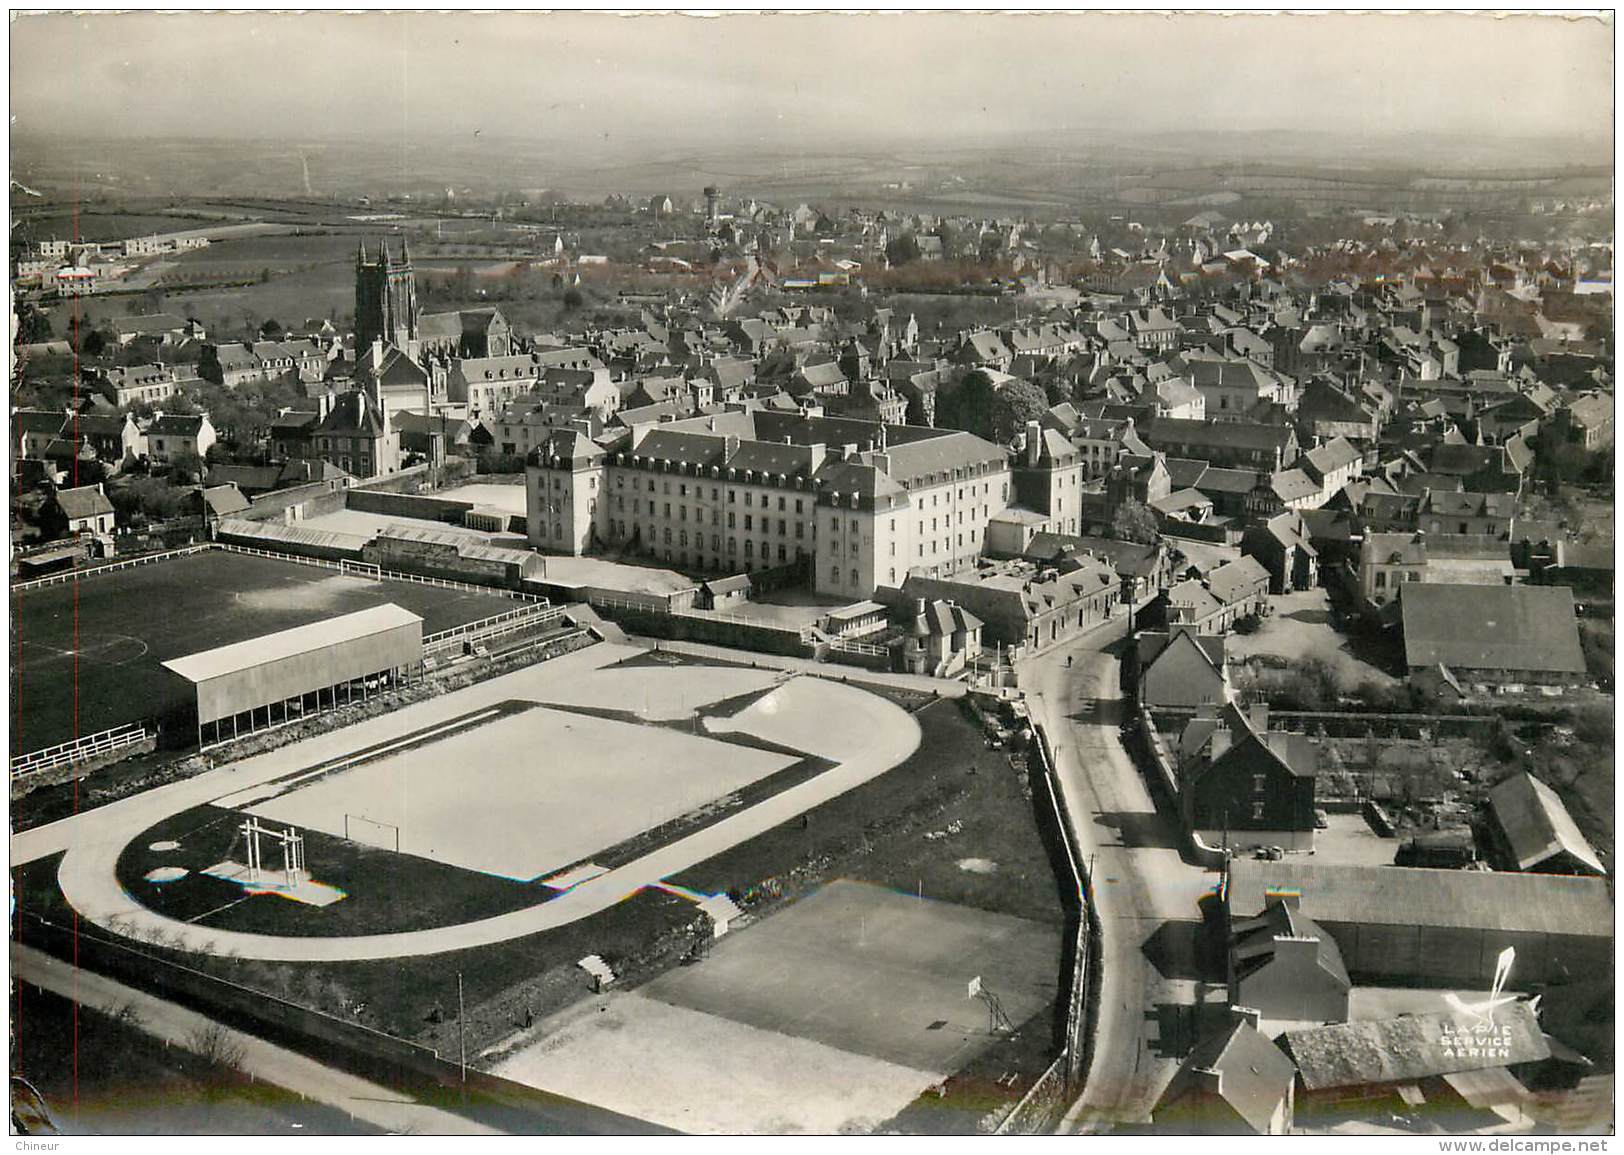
(86, 654)
(1300, 627)
(834, 1014)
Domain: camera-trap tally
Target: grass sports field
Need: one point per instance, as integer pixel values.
(832, 1015)
(86, 654)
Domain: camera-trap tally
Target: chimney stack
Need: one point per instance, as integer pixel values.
(1034, 442)
(1258, 714)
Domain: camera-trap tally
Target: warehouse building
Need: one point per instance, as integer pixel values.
(1403, 926)
(281, 677)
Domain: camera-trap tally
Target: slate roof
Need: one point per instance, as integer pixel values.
(1233, 580)
(176, 425)
(1224, 434)
(1537, 825)
(84, 502)
(1513, 628)
(1335, 893)
(1254, 1076)
(1293, 485)
(1410, 1047)
(224, 500)
(1252, 946)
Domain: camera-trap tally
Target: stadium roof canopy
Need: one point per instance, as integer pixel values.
(206, 665)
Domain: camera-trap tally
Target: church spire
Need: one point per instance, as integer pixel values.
(361, 251)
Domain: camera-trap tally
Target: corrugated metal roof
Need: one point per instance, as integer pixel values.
(262, 651)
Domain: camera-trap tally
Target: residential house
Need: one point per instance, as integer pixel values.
(34, 429)
(1181, 668)
(984, 349)
(1388, 560)
(230, 365)
(1442, 511)
(1226, 444)
(115, 437)
(1020, 604)
(1283, 546)
(486, 385)
(1287, 967)
(1484, 468)
(1246, 785)
(171, 436)
(82, 510)
(356, 436)
(127, 385)
(1588, 421)
(942, 638)
(1235, 1082)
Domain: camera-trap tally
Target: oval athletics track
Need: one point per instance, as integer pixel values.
(883, 735)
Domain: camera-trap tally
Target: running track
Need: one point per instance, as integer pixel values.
(879, 736)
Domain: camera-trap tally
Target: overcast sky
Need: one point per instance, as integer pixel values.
(801, 79)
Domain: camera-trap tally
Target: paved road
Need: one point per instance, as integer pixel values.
(382, 1107)
(1140, 882)
(873, 736)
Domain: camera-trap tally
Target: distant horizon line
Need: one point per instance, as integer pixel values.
(1102, 132)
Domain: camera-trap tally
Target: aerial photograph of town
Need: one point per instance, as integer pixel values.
(827, 574)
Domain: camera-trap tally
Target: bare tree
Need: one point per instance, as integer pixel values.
(217, 1047)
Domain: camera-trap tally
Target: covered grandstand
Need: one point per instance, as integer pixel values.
(281, 677)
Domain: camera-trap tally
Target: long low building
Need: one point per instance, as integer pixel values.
(1440, 926)
(280, 677)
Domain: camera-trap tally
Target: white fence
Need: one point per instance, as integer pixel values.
(494, 626)
(79, 750)
(865, 648)
(92, 571)
(301, 559)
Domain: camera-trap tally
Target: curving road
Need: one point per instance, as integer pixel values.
(872, 736)
(1140, 881)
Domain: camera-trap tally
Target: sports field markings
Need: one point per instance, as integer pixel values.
(257, 794)
(87, 876)
(93, 647)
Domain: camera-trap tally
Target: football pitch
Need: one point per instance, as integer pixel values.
(85, 654)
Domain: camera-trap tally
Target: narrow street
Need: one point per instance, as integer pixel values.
(1145, 893)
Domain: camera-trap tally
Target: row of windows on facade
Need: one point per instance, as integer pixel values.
(732, 494)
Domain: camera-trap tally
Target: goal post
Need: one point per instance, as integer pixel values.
(371, 832)
(363, 569)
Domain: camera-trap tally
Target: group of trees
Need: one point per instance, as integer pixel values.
(996, 412)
